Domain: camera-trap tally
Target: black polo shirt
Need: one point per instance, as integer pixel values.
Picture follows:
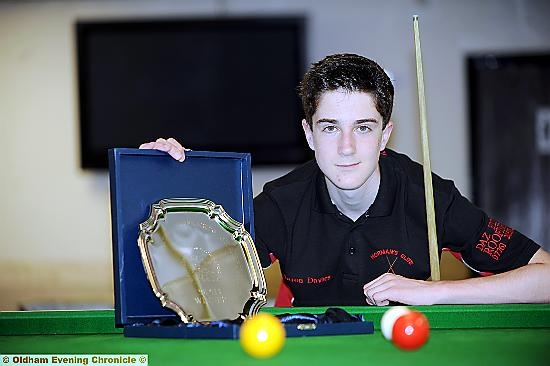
(326, 257)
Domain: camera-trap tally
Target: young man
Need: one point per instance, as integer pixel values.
(349, 228)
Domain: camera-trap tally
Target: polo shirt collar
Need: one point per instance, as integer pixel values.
(385, 198)
(383, 203)
(323, 203)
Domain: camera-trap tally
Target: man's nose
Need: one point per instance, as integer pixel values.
(346, 144)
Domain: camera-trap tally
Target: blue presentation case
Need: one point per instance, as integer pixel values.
(139, 178)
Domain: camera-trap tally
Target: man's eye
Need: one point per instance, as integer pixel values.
(364, 128)
(329, 128)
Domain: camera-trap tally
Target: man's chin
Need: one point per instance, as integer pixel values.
(348, 185)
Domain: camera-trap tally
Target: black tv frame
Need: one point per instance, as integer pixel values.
(286, 153)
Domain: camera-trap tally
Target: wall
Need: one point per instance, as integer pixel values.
(55, 219)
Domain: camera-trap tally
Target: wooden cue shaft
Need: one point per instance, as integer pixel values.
(428, 187)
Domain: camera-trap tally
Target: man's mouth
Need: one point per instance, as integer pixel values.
(347, 165)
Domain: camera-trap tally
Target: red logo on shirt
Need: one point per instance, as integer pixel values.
(391, 256)
(307, 280)
(493, 241)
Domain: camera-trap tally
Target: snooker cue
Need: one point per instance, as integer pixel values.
(428, 187)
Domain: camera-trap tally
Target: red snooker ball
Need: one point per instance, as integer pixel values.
(411, 331)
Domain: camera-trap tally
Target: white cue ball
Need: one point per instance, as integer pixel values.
(389, 318)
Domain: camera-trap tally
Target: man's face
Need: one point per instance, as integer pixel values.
(347, 137)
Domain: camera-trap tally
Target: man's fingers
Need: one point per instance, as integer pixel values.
(367, 290)
(378, 294)
(147, 145)
(176, 150)
(378, 291)
(175, 142)
(171, 146)
(380, 279)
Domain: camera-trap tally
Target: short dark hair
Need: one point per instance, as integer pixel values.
(352, 73)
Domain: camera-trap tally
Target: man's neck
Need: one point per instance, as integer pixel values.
(354, 203)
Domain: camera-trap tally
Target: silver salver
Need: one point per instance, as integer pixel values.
(200, 262)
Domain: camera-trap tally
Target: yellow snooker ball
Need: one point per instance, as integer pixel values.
(262, 336)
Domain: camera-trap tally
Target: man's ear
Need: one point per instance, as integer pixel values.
(386, 133)
(309, 134)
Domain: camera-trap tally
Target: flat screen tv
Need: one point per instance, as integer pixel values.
(222, 84)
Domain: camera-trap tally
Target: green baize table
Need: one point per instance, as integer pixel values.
(459, 335)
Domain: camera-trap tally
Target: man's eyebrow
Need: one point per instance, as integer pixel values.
(366, 120)
(335, 121)
(327, 120)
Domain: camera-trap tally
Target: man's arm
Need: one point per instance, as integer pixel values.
(527, 284)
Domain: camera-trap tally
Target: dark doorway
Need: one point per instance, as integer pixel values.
(510, 131)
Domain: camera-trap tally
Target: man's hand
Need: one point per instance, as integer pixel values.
(171, 146)
(390, 287)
